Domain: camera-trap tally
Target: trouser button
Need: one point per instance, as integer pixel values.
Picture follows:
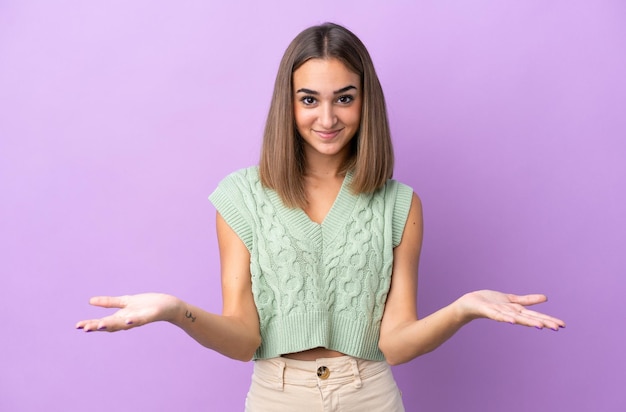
(323, 372)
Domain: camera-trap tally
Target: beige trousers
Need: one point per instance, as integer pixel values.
(333, 384)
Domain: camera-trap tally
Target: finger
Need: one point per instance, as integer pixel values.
(109, 301)
(528, 300)
(538, 315)
(108, 324)
(81, 324)
(538, 320)
(88, 325)
(545, 320)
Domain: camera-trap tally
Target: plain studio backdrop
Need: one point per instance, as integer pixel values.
(119, 118)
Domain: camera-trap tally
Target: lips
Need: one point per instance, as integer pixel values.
(327, 134)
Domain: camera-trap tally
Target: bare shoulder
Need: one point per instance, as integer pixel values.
(413, 228)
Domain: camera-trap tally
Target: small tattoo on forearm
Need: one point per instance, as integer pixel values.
(190, 315)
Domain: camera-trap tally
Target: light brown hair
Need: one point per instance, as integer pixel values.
(281, 166)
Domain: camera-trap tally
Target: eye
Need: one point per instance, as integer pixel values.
(308, 100)
(345, 99)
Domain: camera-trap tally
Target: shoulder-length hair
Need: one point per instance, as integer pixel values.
(282, 162)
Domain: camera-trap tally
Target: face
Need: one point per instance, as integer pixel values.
(327, 106)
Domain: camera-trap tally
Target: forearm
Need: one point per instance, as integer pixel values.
(228, 335)
(414, 338)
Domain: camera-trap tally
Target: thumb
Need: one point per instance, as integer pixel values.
(109, 301)
(528, 300)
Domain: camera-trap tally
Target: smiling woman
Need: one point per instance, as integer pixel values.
(319, 249)
(281, 166)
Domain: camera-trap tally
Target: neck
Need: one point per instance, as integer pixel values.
(323, 173)
(324, 166)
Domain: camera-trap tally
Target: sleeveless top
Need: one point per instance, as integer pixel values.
(317, 285)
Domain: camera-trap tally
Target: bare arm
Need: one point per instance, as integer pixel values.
(234, 333)
(404, 337)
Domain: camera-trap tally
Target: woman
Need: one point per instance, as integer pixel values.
(319, 249)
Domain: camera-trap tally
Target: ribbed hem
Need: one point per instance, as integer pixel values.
(302, 331)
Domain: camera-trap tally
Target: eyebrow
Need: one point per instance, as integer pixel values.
(342, 90)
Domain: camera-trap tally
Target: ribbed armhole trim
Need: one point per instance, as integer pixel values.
(402, 205)
(233, 215)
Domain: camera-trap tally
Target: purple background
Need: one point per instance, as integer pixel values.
(118, 118)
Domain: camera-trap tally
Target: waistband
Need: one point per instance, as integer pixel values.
(320, 372)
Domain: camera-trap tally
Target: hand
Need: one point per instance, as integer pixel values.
(509, 308)
(134, 310)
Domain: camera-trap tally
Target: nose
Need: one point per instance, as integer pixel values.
(327, 117)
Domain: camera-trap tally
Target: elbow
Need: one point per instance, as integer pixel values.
(393, 359)
(246, 352)
(398, 354)
(390, 354)
(242, 357)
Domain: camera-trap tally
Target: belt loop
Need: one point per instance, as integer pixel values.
(280, 383)
(355, 372)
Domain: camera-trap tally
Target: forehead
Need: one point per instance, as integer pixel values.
(324, 74)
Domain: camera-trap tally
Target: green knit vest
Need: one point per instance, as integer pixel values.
(317, 285)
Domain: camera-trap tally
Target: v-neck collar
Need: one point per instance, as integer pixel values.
(333, 221)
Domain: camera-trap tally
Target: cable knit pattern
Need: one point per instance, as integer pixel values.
(317, 285)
